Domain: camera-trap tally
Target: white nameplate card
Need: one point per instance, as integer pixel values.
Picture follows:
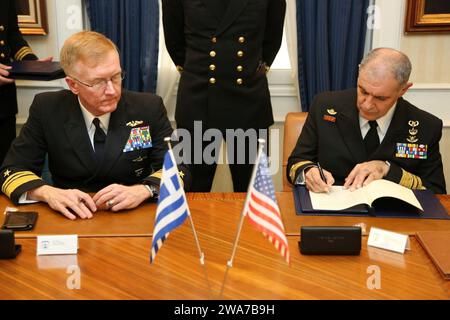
(388, 240)
(52, 245)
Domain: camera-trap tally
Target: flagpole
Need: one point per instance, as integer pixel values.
(200, 253)
(244, 210)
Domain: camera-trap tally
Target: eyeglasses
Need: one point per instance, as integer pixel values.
(101, 84)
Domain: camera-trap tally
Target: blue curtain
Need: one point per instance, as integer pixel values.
(331, 36)
(133, 25)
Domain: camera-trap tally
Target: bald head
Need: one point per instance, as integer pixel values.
(382, 63)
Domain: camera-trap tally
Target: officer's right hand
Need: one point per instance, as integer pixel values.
(70, 202)
(4, 74)
(314, 182)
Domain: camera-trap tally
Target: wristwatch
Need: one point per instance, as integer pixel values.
(153, 190)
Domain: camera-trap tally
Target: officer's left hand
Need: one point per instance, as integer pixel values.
(118, 197)
(4, 73)
(364, 173)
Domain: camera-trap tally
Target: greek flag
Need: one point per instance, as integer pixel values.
(172, 207)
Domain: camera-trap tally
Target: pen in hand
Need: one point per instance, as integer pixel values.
(322, 175)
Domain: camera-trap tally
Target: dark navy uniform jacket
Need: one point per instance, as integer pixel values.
(56, 126)
(332, 137)
(224, 51)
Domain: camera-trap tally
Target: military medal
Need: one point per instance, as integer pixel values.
(411, 151)
(330, 117)
(413, 131)
(134, 123)
(139, 139)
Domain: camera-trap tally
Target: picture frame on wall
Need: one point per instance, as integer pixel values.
(427, 16)
(32, 17)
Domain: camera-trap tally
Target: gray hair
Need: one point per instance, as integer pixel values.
(397, 62)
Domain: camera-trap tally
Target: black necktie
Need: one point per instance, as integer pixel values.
(99, 140)
(371, 140)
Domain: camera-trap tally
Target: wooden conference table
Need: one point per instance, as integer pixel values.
(113, 258)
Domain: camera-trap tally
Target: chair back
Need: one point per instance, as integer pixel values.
(293, 126)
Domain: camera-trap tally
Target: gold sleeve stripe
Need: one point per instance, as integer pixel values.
(411, 181)
(157, 174)
(16, 180)
(22, 53)
(294, 168)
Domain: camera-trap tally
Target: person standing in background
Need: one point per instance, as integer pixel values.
(223, 50)
(12, 47)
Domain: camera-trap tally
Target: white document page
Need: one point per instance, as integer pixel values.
(339, 199)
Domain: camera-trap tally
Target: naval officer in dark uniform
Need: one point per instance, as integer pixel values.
(223, 49)
(101, 139)
(12, 47)
(369, 133)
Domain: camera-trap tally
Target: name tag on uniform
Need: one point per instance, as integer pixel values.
(411, 151)
(139, 139)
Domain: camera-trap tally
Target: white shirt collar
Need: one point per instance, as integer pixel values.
(89, 117)
(383, 122)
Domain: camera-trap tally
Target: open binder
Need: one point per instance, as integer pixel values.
(384, 207)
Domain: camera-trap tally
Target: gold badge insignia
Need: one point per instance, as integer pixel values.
(7, 173)
(134, 123)
(331, 112)
(413, 131)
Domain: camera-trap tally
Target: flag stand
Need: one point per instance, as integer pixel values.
(244, 210)
(200, 253)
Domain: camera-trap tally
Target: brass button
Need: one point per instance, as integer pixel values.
(212, 54)
(2, 28)
(212, 67)
(214, 40)
(241, 39)
(239, 81)
(2, 55)
(2, 43)
(212, 80)
(240, 68)
(240, 54)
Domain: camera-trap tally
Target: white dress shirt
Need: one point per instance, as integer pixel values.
(89, 117)
(383, 124)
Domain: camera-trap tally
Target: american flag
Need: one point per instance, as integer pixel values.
(172, 207)
(262, 208)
